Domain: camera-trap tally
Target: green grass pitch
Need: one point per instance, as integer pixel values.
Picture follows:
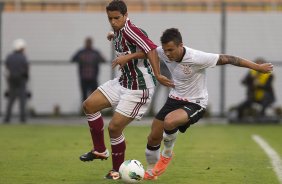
(205, 154)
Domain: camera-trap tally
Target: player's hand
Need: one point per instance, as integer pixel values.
(110, 36)
(265, 68)
(120, 60)
(165, 81)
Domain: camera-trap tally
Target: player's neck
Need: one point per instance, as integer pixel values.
(183, 51)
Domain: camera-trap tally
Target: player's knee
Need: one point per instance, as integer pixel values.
(114, 129)
(169, 123)
(86, 105)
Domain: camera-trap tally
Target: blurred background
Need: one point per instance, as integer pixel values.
(55, 29)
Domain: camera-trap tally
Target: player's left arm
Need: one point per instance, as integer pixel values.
(240, 62)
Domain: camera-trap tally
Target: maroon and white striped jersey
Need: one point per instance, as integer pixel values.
(137, 74)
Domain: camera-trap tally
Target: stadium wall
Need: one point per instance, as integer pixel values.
(52, 39)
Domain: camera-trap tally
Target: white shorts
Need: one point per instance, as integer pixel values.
(130, 103)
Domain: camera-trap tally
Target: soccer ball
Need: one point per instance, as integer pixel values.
(131, 171)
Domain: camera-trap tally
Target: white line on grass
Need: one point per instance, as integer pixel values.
(272, 154)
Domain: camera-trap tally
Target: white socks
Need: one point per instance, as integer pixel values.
(152, 157)
(169, 141)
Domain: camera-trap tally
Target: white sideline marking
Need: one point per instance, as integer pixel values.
(272, 154)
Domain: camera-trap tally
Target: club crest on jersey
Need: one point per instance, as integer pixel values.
(186, 69)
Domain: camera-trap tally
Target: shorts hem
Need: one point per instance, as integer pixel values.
(124, 114)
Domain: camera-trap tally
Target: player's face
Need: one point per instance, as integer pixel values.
(116, 19)
(173, 51)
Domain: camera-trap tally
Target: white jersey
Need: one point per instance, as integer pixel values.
(189, 75)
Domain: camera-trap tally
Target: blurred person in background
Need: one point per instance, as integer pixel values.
(17, 77)
(88, 59)
(259, 91)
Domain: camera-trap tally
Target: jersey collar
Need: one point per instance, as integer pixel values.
(184, 52)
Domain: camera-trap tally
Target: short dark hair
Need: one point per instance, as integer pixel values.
(117, 5)
(171, 34)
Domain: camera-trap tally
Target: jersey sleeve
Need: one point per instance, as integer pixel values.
(205, 60)
(159, 51)
(134, 35)
(161, 54)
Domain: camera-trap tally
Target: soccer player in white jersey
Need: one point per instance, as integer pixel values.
(130, 93)
(188, 98)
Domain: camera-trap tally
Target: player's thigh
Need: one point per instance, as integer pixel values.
(176, 118)
(134, 103)
(156, 135)
(96, 102)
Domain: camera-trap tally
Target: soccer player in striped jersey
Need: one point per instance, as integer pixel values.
(188, 98)
(130, 93)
